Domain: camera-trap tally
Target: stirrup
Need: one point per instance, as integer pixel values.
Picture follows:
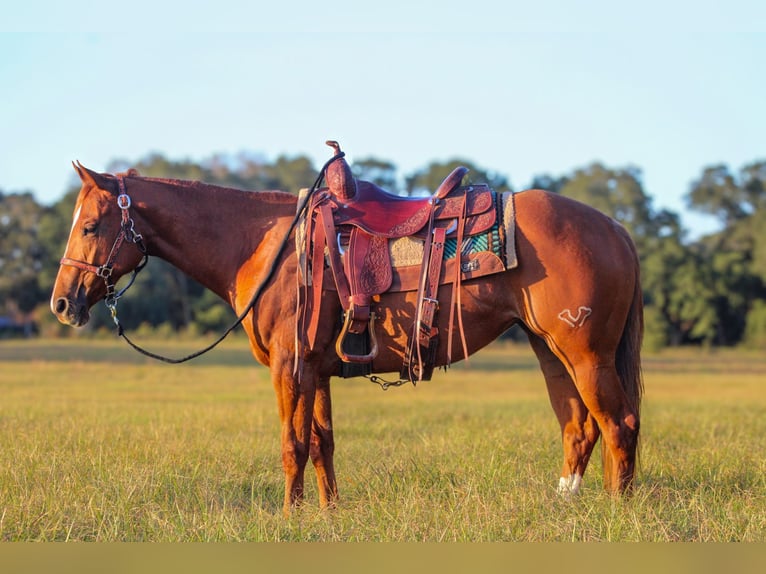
(342, 337)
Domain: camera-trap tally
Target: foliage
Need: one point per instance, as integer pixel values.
(700, 291)
(21, 253)
(426, 180)
(730, 197)
(617, 192)
(736, 256)
(755, 330)
(381, 173)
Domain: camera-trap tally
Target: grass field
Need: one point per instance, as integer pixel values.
(98, 443)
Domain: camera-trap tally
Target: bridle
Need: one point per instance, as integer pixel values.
(127, 234)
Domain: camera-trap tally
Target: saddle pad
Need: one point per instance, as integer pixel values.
(408, 251)
(508, 205)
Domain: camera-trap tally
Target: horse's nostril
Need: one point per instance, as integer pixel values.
(61, 305)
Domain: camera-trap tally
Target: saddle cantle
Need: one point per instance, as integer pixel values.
(350, 227)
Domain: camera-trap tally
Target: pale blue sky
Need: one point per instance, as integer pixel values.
(670, 87)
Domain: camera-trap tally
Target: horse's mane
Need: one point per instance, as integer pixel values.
(271, 195)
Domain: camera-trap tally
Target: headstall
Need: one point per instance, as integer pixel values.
(127, 234)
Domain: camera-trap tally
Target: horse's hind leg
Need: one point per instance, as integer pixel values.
(600, 389)
(598, 392)
(323, 445)
(579, 431)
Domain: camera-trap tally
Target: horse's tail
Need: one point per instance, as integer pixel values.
(628, 359)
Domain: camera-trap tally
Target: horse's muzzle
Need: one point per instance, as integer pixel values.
(70, 313)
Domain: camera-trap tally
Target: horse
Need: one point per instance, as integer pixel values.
(576, 292)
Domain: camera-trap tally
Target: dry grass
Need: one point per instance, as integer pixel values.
(99, 444)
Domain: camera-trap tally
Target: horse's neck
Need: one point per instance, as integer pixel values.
(208, 232)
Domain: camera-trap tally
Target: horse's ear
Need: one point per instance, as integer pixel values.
(78, 168)
(100, 180)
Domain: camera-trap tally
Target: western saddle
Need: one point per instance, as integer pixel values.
(348, 228)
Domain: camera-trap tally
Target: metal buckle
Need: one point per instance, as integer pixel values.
(471, 265)
(104, 272)
(123, 201)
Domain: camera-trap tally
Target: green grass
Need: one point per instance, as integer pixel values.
(99, 443)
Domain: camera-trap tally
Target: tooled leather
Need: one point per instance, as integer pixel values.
(377, 274)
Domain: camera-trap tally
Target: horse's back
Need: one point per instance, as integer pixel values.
(555, 228)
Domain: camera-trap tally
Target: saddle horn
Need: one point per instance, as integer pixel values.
(340, 180)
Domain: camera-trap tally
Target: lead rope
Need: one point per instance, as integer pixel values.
(256, 294)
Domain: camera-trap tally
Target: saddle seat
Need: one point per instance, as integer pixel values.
(383, 214)
(379, 212)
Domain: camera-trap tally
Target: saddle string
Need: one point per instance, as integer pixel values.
(422, 294)
(300, 212)
(456, 303)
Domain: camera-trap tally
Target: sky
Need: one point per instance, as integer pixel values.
(668, 87)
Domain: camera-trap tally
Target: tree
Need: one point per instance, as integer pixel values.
(618, 193)
(548, 183)
(729, 197)
(291, 174)
(381, 173)
(737, 254)
(243, 171)
(711, 291)
(21, 253)
(157, 165)
(427, 180)
(753, 182)
(678, 292)
(755, 330)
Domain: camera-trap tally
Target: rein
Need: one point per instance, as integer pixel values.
(127, 233)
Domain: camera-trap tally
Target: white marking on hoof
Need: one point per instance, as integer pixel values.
(575, 320)
(570, 485)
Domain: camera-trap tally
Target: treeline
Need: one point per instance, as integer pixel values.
(703, 291)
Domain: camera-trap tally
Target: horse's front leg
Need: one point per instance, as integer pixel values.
(323, 445)
(295, 400)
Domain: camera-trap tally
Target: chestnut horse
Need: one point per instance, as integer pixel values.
(576, 292)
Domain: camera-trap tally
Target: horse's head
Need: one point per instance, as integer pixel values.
(98, 252)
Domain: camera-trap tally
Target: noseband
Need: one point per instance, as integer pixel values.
(127, 234)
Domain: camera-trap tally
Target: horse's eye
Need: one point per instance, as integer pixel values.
(89, 229)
